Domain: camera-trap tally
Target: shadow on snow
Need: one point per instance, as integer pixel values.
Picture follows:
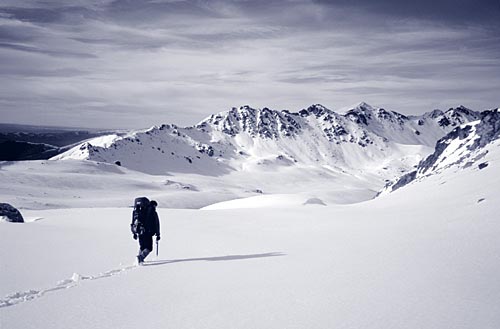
(214, 259)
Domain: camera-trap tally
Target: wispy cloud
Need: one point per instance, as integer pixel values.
(178, 61)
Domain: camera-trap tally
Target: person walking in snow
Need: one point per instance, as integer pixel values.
(145, 225)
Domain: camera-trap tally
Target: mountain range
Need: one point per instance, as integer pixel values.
(364, 140)
(312, 156)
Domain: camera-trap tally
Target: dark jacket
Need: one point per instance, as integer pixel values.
(152, 224)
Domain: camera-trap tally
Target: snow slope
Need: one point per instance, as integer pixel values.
(425, 256)
(83, 183)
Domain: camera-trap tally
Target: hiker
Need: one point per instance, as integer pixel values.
(145, 224)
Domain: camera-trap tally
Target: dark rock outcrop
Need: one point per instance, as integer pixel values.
(10, 213)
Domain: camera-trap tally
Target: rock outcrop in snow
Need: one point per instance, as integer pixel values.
(463, 147)
(10, 213)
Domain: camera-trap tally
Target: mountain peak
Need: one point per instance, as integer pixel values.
(360, 106)
(265, 122)
(433, 114)
(460, 108)
(316, 109)
(364, 105)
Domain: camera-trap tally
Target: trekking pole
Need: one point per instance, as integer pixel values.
(157, 248)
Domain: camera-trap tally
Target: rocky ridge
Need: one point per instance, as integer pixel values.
(364, 138)
(464, 147)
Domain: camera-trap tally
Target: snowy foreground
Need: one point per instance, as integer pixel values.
(425, 256)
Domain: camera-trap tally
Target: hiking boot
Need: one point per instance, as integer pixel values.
(145, 253)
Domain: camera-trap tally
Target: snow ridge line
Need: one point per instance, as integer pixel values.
(24, 296)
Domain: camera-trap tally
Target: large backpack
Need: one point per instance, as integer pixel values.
(139, 215)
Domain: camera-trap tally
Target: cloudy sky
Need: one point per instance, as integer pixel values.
(132, 64)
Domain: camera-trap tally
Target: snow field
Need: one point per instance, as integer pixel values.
(80, 184)
(394, 262)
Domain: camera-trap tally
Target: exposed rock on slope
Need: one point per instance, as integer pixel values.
(462, 148)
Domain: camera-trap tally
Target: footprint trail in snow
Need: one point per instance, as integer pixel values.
(24, 296)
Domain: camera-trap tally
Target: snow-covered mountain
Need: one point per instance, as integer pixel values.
(464, 147)
(363, 140)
